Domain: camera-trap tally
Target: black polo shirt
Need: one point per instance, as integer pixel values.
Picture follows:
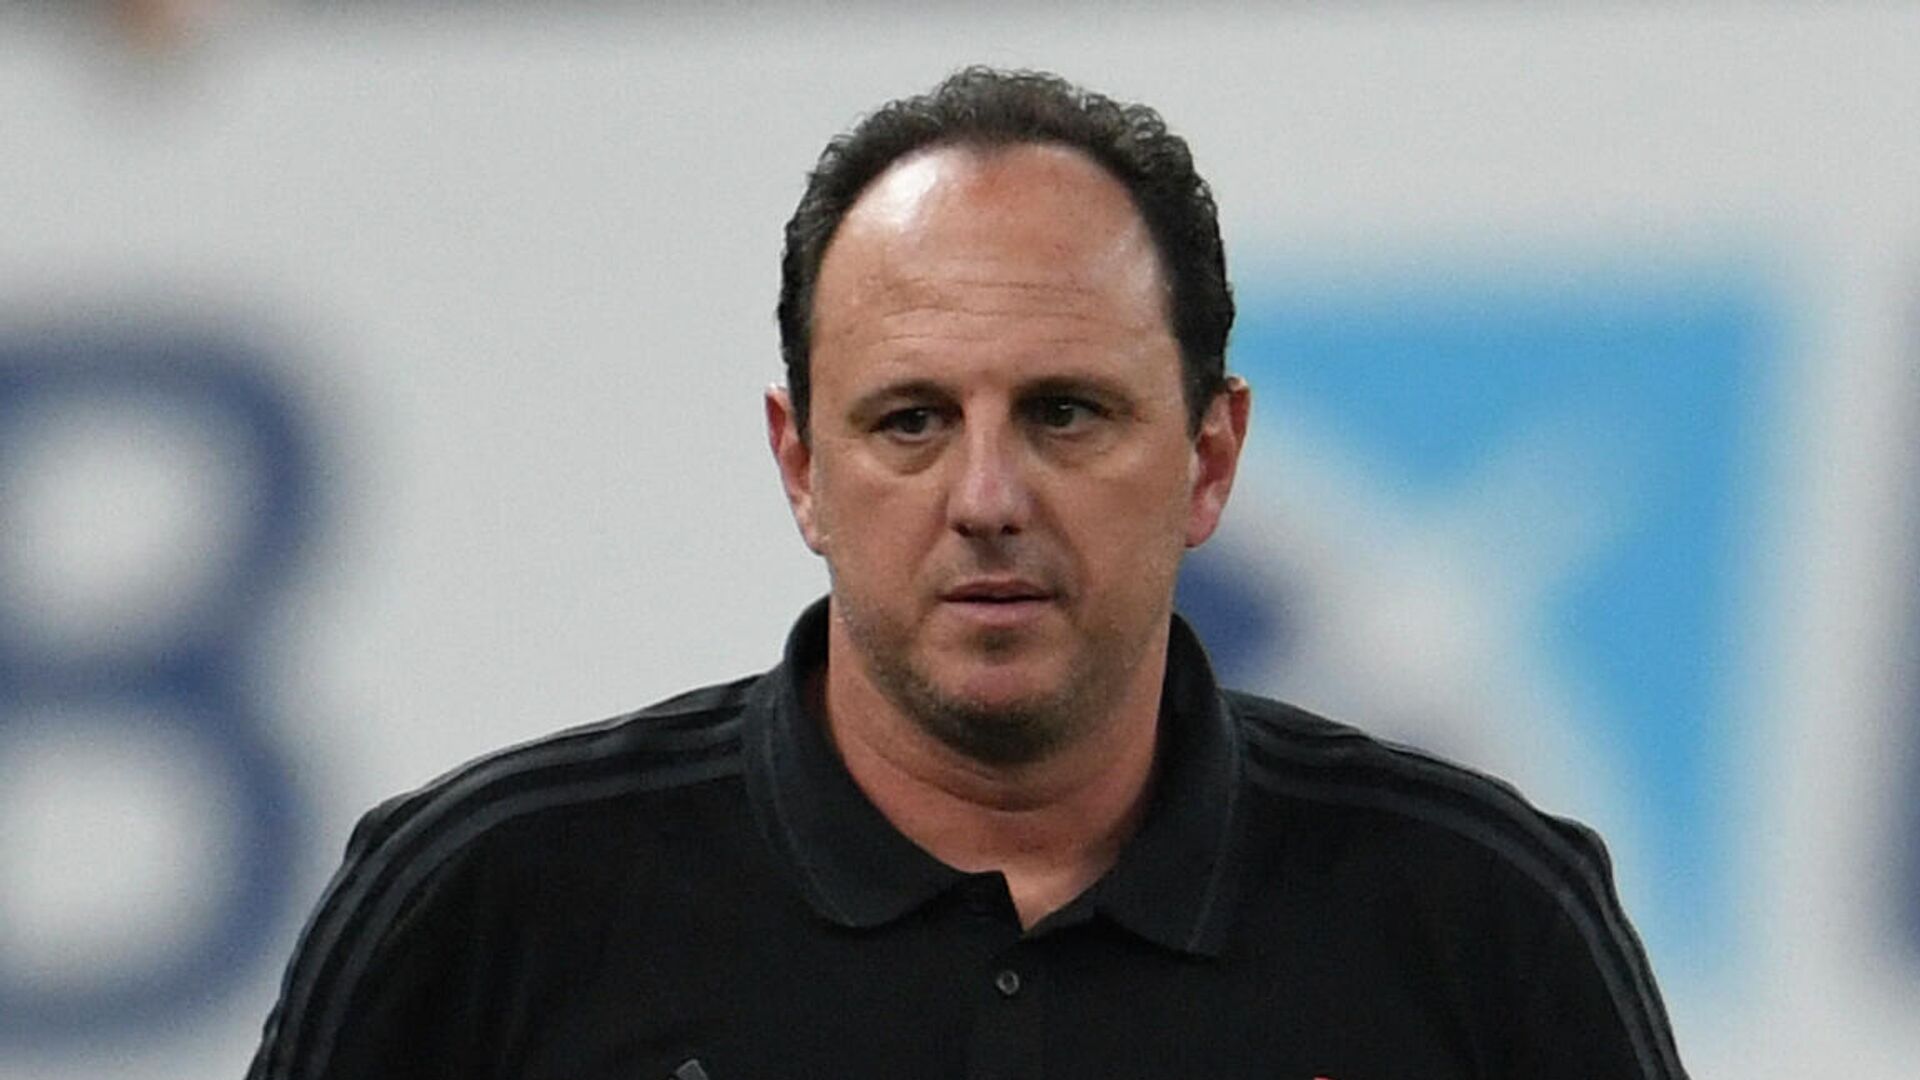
(699, 890)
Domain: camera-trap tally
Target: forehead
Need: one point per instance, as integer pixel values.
(983, 184)
(991, 239)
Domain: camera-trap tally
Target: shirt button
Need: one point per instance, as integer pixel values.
(1007, 982)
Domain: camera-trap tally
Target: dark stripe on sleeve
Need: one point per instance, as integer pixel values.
(397, 848)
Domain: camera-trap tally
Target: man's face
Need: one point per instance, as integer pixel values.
(1000, 473)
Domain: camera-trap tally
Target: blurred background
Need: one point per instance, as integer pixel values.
(379, 384)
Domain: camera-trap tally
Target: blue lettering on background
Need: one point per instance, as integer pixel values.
(195, 685)
(1421, 384)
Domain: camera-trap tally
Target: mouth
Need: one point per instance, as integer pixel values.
(1000, 605)
(998, 592)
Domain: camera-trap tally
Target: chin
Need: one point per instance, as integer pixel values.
(990, 686)
(1006, 732)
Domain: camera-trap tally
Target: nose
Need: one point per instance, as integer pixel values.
(990, 496)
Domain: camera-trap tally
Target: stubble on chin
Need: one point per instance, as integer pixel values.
(998, 733)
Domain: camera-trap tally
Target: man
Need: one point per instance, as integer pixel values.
(990, 816)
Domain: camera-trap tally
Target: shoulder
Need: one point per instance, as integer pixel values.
(416, 866)
(1299, 756)
(530, 801)
(681, 741)
(1471, 859)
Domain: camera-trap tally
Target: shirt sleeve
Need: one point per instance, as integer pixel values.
(1588, 1006)
(373, 989)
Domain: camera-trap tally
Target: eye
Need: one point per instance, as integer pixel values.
(909, 424)
(1061, 412)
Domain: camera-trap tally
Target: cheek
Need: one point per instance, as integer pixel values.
(1132, 534)
(1147, 495)
(873, 523)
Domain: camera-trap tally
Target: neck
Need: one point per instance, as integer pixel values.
(1051, 826)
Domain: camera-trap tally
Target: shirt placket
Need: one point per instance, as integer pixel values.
(1005, 988)
(1010, 1017)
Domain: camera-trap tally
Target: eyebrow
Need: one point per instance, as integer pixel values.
(1089, 385)
(915, 389)
(869, 407)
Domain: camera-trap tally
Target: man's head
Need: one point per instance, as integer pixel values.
(1004, 462)
(983, 108)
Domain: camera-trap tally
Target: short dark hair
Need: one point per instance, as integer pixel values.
(986, 107)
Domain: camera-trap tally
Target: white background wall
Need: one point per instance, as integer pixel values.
(515, 272)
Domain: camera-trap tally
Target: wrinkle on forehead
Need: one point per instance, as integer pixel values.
(896, 312)
(987, 297)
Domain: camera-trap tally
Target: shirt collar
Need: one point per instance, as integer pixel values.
(1174, 881)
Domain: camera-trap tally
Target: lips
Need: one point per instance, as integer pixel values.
(997, 591)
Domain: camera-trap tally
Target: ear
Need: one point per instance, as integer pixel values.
(1216, 457)
(795, 460)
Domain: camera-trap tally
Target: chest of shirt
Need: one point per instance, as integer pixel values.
(769, 989)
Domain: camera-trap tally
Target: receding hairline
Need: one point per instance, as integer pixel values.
(986, 152)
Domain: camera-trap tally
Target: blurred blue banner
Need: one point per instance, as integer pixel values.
(1591, 445)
